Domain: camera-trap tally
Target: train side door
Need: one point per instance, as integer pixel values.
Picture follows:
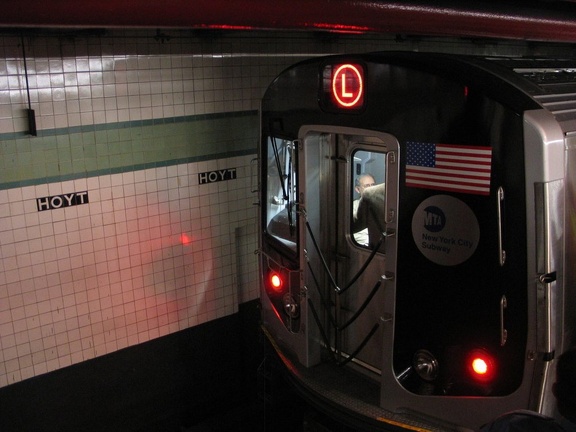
(349, 200)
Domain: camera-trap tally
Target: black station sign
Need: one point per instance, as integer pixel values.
(60, 201)
(216, 176)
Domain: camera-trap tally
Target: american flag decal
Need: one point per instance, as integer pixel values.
(456, 168)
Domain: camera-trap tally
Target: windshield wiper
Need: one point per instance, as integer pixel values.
(286, 186)
(279, 168)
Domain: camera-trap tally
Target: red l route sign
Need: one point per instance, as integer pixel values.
(348, 86)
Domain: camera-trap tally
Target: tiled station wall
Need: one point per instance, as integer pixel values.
(130, 214)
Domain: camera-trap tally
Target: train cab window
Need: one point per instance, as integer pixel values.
(280, 208)
(368, 198)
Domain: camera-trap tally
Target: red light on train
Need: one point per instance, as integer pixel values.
(481, 365)
(275, 281)
(348, 85)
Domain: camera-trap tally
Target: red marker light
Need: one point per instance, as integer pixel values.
(481, 365)
(275, 281)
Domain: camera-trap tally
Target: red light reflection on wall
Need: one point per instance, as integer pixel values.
(185, 239)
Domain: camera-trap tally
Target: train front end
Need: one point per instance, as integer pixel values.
(413, 247)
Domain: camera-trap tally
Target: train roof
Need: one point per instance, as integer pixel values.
(524, 83)
(555, 84)
(550, 82)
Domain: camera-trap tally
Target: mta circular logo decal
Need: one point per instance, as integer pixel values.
(434, 219)
(445, 230)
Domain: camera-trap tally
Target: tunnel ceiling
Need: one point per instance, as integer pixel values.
(552, 20)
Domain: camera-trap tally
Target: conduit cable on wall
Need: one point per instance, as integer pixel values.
(29, 111)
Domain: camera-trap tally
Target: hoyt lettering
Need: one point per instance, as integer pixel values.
(216, 176)
(61, 201)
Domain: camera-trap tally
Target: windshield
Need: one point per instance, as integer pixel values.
(281, 191)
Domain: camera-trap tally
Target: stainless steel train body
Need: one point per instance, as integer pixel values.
(452, 307)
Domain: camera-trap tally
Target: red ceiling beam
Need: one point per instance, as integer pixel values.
(546, 21)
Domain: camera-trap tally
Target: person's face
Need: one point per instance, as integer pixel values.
(364, 182)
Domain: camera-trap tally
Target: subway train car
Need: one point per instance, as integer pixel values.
(418, 234)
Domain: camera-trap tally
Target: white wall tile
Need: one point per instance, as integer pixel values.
(170, 255)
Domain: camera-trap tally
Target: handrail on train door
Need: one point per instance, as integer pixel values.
(339, 291)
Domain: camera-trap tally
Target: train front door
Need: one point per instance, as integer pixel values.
(348, 199)
(408, 284)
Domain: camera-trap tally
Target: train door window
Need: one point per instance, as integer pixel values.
(280, 208)
(368, 198)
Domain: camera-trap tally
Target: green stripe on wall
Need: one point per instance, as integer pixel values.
(64, 154)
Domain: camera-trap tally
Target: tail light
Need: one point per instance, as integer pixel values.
(481, 365)
(286, 306)
(276, 283)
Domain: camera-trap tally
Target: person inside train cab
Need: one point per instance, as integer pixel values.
(363, 182)
(370, 214)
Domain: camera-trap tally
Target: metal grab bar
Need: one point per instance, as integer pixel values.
(503, 331)
(501, 251)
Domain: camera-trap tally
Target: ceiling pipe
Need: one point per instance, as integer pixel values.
(539, 21)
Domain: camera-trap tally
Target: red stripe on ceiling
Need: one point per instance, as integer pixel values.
(474, 19)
